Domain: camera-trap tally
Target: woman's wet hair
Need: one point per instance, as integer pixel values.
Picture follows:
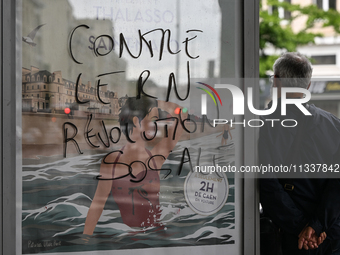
(134, 108)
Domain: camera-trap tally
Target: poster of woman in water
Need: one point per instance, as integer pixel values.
(120, 146)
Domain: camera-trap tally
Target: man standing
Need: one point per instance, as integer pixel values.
(307, 210)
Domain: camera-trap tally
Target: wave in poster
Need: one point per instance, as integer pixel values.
(57, 196)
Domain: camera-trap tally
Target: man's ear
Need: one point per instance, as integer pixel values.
(135, 121)
(309, 85)
(277, 83)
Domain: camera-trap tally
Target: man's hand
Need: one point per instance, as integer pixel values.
(322, 238)
(309, 240)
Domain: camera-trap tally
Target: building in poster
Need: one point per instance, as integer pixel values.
(43, 91)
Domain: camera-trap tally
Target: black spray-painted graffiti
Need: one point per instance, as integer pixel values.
(114, 134)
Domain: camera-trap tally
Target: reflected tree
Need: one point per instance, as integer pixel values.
(278, 28)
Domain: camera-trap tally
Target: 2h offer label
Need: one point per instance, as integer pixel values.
(206, 194)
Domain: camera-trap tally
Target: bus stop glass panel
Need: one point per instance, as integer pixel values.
(121, 147)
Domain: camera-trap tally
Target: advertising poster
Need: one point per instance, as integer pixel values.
(119, 142)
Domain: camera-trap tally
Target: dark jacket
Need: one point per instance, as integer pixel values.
(313, 201)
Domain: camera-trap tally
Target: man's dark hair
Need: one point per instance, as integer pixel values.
(134, 108)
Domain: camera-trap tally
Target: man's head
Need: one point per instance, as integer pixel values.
(135, 108)
(293, 70)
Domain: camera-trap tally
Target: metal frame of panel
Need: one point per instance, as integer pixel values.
(251, 73)
(10, 126)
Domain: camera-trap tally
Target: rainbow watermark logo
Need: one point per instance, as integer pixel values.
(240, 100)
(204, 97)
